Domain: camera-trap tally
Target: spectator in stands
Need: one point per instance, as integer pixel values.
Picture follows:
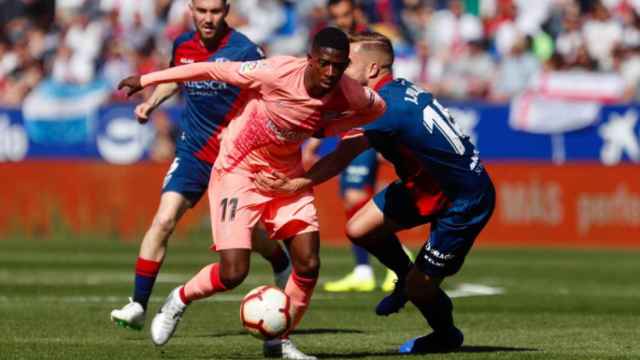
(601, 33)
(583, 61)
(8, 59)
(77, 40)
(505, 14)
(630, 27)
(84, 37)
(138, 35)
(571, 38)
(23, 73)
(468, 75)
(117, 63)
(257, 19)
(71, 68)
(450, 29)
(515, 71)
(626, 62)
(415, 15)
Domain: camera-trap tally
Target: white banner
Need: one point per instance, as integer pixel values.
(559, 102)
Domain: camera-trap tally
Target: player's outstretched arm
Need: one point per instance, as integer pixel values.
(130, 85)
(161, 93)
(241, 74)
(323, 170)
(232, 72)
(333, 163)
(367, 106)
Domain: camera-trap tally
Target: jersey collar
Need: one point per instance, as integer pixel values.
(221, 43)
(382, 82)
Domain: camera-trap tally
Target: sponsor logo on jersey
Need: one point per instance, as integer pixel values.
(251, 66)
(205, 85)
(286, 134)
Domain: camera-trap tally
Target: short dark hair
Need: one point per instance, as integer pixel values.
(331, 37)
(374, 41)
(224, 2)
(334, 2)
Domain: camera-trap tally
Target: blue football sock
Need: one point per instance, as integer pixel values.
(439, 315)
(361, 255)
(142, 289)
(146, 273)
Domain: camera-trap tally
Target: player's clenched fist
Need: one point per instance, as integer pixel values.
(143, 111)
(130, 85)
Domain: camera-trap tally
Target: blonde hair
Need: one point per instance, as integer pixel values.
(371, 41)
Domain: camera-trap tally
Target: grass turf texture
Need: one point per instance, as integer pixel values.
(55, 299)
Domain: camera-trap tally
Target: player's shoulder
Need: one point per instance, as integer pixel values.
(400, 88)
(183, 38)
(347, 80)
(244, 46)
(240, 40)
(348, 85)
(284, 63)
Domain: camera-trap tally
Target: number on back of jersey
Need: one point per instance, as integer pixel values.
(436, 115)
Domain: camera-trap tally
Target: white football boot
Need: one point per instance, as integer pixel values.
(130, 316)
(166, 321)
(281, 278)
(284, 349)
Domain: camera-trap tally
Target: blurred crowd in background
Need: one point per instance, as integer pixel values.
(459, 49)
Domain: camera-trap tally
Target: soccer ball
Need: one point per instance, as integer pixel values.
(266, 312)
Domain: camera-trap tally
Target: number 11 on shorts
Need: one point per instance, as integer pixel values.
(232, 205)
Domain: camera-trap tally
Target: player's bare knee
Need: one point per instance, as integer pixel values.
(354, 233)
(164, 223)
(233, 276)
(309, 266)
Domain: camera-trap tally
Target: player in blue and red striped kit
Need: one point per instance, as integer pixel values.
(209, 107)
(441, 181)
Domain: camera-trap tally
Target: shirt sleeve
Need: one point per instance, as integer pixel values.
(252, 53)
(385, 124)
(365, 106)
(245, 75)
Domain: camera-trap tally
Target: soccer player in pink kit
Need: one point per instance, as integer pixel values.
(290, 100)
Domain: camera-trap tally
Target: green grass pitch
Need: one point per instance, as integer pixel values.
(55, 299)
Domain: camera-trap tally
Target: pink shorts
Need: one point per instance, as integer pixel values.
(236, 206)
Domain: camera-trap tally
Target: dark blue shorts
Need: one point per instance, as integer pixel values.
(188, 176)
(361, 172)
(453, 231)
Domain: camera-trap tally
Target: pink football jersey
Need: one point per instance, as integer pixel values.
(279, 114)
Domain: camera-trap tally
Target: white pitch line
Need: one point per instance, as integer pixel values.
(119, 299)
(462, 290)
(92, 278)
(467, 290)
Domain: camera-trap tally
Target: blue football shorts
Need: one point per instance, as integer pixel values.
(453, 230)
(188, 176)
